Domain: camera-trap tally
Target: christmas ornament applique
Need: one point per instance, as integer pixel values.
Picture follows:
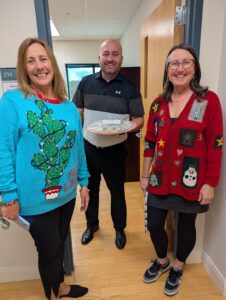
(190, 171)
(218, 142)
(54, 147)
(190, 177)
(160, 153)
(156, 122)
(187, 137)
(149, 145)
(155, 107)
(161, 143)
(179, 152)
(198, 110)
(155, 179)
(177, 162)
(161, 112)
(162, 123)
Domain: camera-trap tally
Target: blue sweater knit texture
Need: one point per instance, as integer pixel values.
(42, 158)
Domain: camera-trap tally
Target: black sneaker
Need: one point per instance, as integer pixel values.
(173, 281)
(155, 270)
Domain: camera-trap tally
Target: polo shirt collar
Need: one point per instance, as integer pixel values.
(119, 77)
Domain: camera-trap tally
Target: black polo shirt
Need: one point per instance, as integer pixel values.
(117, 99)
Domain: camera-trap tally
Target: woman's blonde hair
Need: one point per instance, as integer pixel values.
(24, 82)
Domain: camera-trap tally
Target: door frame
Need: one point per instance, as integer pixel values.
(44, 33)
(193, 23)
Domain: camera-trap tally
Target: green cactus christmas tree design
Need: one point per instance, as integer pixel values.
(53, 159)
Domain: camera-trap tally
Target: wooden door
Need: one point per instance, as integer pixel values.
(132, 142)
(158, 34)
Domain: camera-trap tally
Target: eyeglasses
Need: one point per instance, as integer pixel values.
(186, 64)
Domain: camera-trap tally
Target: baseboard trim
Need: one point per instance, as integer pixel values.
(195, 257)
(18, 273)
(214, 273)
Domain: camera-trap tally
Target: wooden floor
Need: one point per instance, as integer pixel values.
(117, 274)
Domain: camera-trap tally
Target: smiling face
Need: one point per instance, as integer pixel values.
(39, 68)
(110, 58)
(182, 76)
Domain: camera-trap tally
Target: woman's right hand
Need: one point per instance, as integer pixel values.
(11, 211)
(144, 183)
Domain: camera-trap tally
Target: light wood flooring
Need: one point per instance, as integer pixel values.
(113, 274)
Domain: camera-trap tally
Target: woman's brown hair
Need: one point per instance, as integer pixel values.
(24, 82)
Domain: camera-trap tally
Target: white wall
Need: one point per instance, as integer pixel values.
(87, 51)
(17, 22)
(18, 258)
(76, 52)
(212, 59)
(131, 40)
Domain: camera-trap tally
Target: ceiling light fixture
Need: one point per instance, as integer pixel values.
(54, 31)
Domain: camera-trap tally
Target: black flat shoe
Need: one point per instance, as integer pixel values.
(89, 234)
(76, 291)
(120, 239)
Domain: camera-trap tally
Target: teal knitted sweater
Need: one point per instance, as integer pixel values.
(42, 158)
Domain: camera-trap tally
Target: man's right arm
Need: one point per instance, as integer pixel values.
(78, 99)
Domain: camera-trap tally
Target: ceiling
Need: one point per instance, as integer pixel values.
(91, 19)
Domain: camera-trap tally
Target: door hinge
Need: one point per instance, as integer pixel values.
(180, 15)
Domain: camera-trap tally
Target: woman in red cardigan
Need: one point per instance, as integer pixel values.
(183, 149)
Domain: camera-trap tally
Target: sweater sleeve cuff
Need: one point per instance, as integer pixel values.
(211, 181)
(83, 182)
(148, 153)
(9, 196)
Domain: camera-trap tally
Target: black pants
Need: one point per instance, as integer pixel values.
(49, 231)
(186, 235)
(109, 161)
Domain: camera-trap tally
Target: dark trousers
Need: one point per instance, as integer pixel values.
(49, 231)
(109, 161)
(186, 235)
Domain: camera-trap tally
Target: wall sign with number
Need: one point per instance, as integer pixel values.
(7, 79)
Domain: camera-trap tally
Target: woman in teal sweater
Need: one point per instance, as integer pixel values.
(42, 160)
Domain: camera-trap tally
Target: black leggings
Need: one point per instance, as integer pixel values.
(49, 231)
(186, 235)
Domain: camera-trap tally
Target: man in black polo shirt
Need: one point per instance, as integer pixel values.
(101, 96)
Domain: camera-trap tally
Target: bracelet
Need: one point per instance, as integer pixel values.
(9, 203)
(146, 177)
(84, 188)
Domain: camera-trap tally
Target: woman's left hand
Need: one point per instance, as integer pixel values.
(206, 194)
(84, 194)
